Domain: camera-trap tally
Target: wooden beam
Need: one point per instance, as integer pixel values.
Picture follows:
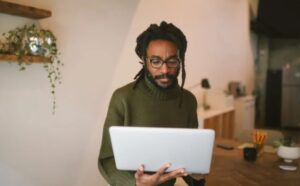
(22, 10)
(30, 59)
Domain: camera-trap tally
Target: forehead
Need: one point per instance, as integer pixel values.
(162, 48)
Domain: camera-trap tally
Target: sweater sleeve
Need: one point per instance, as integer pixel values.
(193, 123)
(191, 182)
(106, 161)
(193, 119)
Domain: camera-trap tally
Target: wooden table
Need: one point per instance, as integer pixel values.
(229, 168)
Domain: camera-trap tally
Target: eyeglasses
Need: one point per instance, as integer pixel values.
(157, 62)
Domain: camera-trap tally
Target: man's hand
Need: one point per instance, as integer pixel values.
(142, 179)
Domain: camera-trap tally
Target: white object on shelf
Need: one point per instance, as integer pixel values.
(244, 114)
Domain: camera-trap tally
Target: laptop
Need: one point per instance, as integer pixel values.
(183, 148)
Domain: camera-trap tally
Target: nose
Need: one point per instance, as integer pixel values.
(164, 68)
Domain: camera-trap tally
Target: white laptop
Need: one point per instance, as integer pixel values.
(183, 148)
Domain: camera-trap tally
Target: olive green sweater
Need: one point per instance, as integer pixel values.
(145, 105)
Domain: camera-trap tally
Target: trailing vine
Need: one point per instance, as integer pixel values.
(32, 41)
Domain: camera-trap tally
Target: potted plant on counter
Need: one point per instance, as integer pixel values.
(289, 151)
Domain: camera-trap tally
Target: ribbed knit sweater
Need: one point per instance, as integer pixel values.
(148, 106)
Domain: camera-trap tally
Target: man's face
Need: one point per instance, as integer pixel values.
(163, 76)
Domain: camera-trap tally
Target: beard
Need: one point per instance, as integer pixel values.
(173, 77)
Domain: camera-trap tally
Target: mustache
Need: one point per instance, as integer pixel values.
(170, 76)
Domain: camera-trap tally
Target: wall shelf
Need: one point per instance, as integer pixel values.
(31, 59)
(23, 10)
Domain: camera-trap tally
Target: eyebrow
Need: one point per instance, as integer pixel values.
(165, 59)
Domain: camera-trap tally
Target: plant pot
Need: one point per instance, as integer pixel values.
(288, 154)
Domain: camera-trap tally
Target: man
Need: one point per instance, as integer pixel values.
(154, 99)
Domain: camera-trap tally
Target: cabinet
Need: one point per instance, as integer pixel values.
(23, 11)
(244, 114)
(220, 120)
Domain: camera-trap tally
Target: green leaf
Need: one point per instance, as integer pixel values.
(17, 42)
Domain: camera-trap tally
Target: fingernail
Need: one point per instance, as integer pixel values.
(141, 168)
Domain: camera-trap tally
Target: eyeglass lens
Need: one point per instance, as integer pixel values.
(158, 62)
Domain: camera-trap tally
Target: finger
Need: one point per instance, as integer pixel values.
(139, 172)
(163, 169)
(178, 172)
(172, 175)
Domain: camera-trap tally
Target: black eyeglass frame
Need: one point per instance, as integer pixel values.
(166, 61)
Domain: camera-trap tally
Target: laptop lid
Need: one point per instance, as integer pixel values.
(183, 148)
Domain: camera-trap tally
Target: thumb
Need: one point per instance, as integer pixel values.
(139, 172)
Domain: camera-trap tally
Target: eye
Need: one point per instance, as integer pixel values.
(155, 61)
(173, 62)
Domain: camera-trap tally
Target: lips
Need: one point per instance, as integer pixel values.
(165, 79)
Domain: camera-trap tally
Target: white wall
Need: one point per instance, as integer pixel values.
(97, 39)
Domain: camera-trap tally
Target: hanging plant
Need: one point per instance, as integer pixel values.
(31, 41)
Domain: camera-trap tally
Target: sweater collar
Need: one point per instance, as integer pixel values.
(162, 94)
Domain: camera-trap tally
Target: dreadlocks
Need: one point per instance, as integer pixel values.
(165, 31)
